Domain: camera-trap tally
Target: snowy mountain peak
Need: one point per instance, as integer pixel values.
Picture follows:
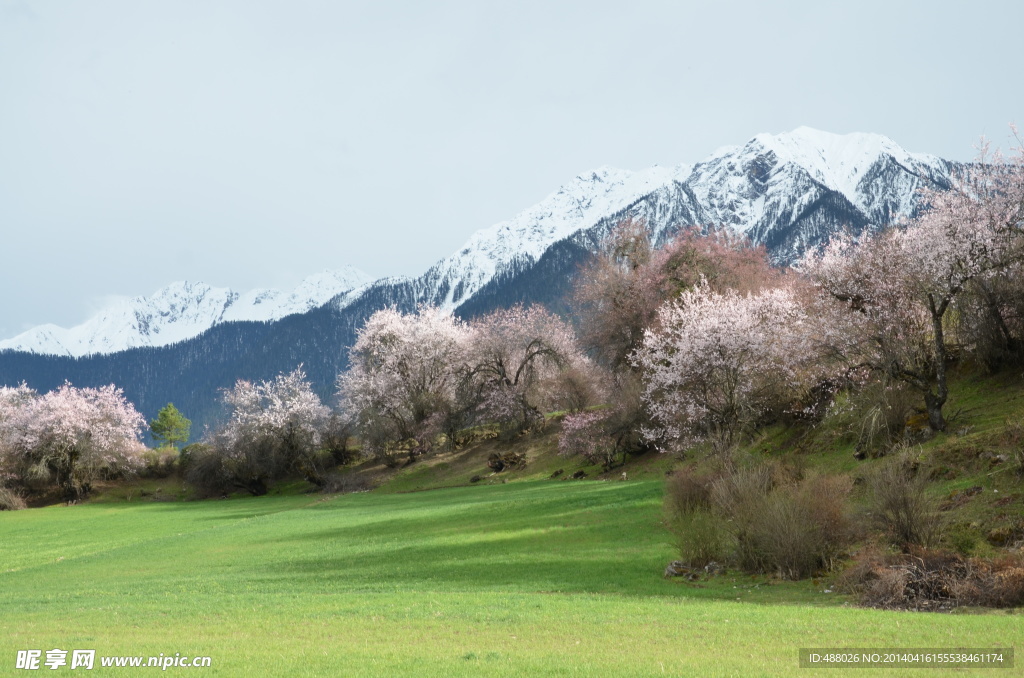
(838, 161)
(180, 311)
(578, 204)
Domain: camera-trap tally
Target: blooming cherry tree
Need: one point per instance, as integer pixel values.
(718, 362)
(893, 290)
(514, 355)
(70, 436)
(619, 293)
(274, 426)
(406, 378)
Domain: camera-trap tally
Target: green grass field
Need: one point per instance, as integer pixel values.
(528, 578)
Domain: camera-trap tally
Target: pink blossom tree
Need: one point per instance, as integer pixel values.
(13, 399)
(893, 290)
(407, 380)
(516, 355)
(619, 293)
(70, 436)
(717, 363)
(585, 434)
(274, 427)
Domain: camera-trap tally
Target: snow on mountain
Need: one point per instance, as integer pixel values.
(180, 311)
(314, 291)
(788, 191)
(793, 190)
(577, 205)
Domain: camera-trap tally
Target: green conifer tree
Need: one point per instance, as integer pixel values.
(170, 427)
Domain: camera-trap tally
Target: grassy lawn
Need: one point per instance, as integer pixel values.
(528, 578)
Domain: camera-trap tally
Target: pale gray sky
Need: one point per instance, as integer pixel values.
(251, 143)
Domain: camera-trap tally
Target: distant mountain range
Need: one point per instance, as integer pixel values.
(788, 191)
(183, 310)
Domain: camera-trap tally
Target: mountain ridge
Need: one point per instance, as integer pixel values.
(182, 310)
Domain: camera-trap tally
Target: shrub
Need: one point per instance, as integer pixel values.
(203, 469)
(766, 520)
(902, 508)
(734, 491)
(874, 415)
(687, 491)
(189, 453)
(159, 463)
(802, 528)
(344, 483)
(701, 536)
(336, 438)
(11, 500)
(925, 579)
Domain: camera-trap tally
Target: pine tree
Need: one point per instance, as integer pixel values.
(170, 427)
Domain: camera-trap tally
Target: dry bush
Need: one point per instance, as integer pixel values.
(762, 517)
(345, 483)
(701, 533)
(687, 491)
(11, 500)
(902, 508)
(926, 579)
(734, 492)
(795, 530)
(702, 537)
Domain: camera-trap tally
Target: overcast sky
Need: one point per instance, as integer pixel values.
(252, 143)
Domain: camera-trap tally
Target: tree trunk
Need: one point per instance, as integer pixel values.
(935, 400)
(934, 405)
(257, 487)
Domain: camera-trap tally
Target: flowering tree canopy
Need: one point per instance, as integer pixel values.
(618, 295)
(405, 374)
(717, 362)
(894, 289)
(274, 426)
(514, 353)
(69, 436)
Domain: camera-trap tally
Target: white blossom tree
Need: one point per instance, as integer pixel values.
(13, 399)
(406, 379)
(516, 356)
(274, 427)
(717, 363)
(894, 289)
(69, 436)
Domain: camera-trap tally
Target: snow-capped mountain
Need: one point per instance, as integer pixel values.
(577, 205)
(183, 310)
(788, 191)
